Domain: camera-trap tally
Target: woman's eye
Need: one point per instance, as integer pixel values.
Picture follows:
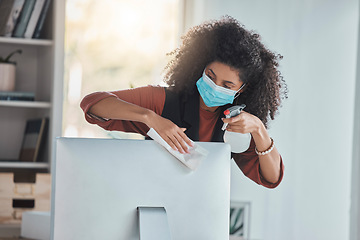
(226, 86)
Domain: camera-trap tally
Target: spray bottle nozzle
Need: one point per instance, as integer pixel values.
(232, 112)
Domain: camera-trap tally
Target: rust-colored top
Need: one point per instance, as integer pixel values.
(153, 97)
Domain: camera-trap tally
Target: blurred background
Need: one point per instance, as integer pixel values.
(112, 45)
(120, 44)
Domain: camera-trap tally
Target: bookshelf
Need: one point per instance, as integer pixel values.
(39, 70)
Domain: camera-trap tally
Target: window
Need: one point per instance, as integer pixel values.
(112, 45)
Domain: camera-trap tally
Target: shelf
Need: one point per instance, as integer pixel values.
(25, 104)
(26, 41)
(24, 165)
(10, 231)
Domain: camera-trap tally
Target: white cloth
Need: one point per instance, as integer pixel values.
(192, 160)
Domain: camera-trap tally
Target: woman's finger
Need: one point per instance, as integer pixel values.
(233, 119)
(182, 143)
(186, 139)
(237, 128)
(170, 142)
(176, 142)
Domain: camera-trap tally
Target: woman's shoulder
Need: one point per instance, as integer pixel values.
(149, 89)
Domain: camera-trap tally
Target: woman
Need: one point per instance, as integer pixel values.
(219, 64)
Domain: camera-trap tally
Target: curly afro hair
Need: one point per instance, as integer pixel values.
(228, 42)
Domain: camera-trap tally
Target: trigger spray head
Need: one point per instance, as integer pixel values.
(232, 112)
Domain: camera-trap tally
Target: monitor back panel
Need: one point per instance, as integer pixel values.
(99, 183)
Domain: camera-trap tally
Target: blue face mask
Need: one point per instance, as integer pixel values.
(214, 95)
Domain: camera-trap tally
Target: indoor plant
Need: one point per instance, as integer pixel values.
(7, 72)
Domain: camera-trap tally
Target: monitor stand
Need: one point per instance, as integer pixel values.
(153, 223)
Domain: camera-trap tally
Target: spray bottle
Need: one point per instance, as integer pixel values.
(239, 142)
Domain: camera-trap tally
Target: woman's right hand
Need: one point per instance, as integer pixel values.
(170, 132)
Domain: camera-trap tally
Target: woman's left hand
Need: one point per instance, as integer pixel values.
(248, 123)
(243, 123)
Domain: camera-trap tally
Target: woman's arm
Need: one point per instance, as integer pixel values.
(269, 163)
(114, 108)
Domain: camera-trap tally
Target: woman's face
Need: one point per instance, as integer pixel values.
(224, 76)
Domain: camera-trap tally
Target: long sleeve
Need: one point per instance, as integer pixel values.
(150, 97)
(249, 164)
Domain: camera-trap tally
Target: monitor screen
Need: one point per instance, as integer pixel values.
(99, 183)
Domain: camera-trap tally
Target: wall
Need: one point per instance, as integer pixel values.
(355, 180)
(314, 131)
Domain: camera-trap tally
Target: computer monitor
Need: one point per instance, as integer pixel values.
(99, 183)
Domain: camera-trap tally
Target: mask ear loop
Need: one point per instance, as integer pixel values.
(238, 91)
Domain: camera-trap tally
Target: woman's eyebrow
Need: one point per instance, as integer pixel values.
(230, 82)
(226, 81)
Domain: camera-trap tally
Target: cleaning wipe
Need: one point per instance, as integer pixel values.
(192, 159)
